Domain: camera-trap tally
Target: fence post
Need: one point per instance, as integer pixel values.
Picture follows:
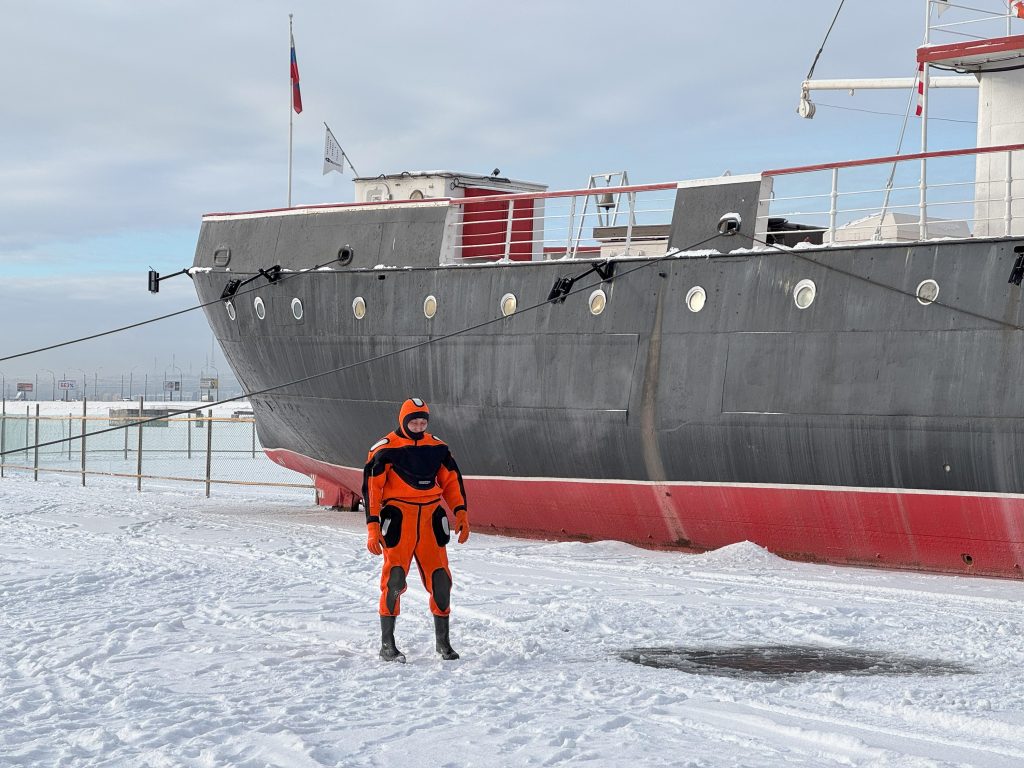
(71, 428)
(125, 438)
(833, 206)
(188, 430)
(254, 437)
(508, 232)
(85, 410)
(35, 457)
(209, 448)
(28, 411)
(138, 460)
(3, 437)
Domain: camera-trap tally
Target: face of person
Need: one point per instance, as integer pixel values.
(417, 426)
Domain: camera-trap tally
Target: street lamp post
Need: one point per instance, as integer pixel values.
(131, 376)
(53, 382)
(84, 380)
(179, 381)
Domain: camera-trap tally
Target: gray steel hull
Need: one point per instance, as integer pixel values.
(866, 389)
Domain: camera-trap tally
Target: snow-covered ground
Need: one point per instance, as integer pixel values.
(165, 629)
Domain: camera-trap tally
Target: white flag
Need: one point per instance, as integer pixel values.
(334, 155)
(942, 6)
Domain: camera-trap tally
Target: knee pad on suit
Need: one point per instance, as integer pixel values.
(396, 586)
(441, 588)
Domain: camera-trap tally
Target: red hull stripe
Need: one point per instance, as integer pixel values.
(968, 533)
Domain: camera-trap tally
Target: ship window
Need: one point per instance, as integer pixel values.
(508, 304)
(430, 306)
(696, 298)
(598, 301)
(359, 307)
(804, 293)
(297, 309)
(230, 308)
(927, 292)
(261, 310)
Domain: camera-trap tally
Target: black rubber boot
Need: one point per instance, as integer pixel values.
(442, 644)
(388, 650)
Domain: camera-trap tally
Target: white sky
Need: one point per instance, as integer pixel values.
(124, 122)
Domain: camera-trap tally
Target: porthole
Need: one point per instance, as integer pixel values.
(261, 311)
(927, 292)
(695, 299)
(804, 293)
(598, 301)
(297, 309)
(430, 306)
(508, 304)
(230, 308)
(359, 307)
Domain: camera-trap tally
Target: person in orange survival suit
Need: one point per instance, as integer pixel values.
(407, 474)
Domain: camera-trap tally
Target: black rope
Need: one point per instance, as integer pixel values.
(814, 63)
(884, 286)
(892, 114)
(358, 363)
(141, 323)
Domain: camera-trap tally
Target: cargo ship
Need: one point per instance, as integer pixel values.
(822, 360)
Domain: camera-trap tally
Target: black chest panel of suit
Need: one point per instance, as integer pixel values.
(417, 465)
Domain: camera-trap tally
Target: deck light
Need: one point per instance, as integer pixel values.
(729, 224)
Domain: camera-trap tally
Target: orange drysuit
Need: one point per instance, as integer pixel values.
(405, 478)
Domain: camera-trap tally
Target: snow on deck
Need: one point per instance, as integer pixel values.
(164, 629)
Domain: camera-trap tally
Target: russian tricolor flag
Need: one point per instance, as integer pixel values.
(296, 93)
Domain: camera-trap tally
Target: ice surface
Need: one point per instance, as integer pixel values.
(166, 629)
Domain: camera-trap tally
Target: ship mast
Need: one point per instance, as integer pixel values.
(985, 48)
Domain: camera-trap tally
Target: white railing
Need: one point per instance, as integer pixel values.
(597, 222)
(958, 20)
(969, 193)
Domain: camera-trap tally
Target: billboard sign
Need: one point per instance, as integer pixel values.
(24, 386)
(209, 383)
(66, 384)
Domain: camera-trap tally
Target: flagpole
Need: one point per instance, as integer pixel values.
(291, 115)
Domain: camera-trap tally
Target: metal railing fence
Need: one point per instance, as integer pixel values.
(597, 222)
(204, 450)
(969, 193)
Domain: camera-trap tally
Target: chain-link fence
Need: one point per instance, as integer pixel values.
(206, 449)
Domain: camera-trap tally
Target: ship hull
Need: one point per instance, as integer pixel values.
(867, 428)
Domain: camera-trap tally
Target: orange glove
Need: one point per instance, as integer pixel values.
(462, 525)
(374, 541)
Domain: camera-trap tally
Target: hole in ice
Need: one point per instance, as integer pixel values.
(773, 661)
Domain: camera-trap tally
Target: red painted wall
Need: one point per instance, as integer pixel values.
(484, 225)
